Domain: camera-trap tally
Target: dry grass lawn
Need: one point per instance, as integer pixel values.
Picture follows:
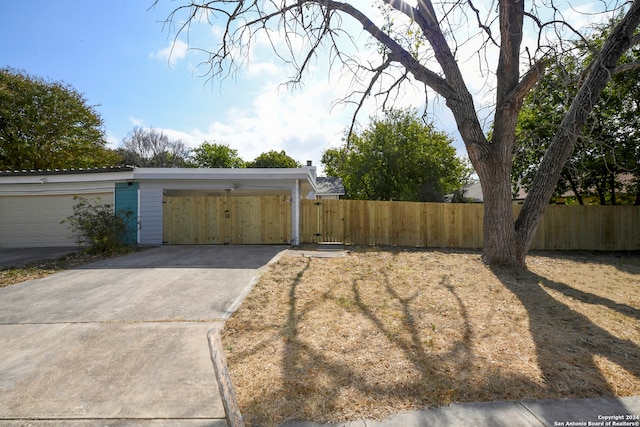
(383, 331)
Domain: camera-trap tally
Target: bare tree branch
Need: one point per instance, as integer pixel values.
(626, 67)
(377, 73)
(528, 81)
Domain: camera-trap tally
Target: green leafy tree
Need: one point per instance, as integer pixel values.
(48, 125)
(212, 155)
(397, 157)
(151, 148)
(273, 159)
(607, 147)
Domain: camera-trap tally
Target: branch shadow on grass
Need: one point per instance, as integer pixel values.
(317, 384)
(567, 341)
(626, 261)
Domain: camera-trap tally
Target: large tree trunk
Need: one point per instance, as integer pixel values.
(495, 161)
(499, 239)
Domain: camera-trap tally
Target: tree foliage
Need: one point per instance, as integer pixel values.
(212, 155)
(151, 148)
(608, 147)
(273, 159)
(397, 157)
(428, 43)
(48, 125)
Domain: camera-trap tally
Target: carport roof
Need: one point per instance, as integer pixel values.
(304, 173)
(233, 178)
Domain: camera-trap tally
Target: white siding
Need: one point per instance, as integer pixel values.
(150, 214)
(35, 221)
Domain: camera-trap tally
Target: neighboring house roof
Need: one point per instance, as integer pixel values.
(471, 192)
(329, 186)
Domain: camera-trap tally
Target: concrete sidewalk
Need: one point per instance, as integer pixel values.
(122, 342)
(533, 413)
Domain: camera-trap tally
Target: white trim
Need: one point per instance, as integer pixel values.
(56, 189)
(62, 178)
(138, 218)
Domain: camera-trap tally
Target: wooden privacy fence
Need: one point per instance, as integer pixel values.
(460, 225)
(267, 220)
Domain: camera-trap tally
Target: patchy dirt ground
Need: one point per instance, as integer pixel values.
(384, 331)
(43, 268)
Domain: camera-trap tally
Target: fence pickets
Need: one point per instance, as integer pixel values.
(267, 220)
(459, 225)
(237, 220)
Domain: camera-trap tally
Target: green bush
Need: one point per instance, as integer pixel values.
(98, 226)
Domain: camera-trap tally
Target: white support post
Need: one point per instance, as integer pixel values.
(295, 214)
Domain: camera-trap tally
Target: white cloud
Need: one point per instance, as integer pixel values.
(300, 122)
(112, 141)
(261, 69)
(136, 121)
(303, 122)
(175, 51)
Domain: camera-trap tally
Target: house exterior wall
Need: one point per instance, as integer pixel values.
(150, 214)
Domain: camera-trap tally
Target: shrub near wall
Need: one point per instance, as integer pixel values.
(97, 225)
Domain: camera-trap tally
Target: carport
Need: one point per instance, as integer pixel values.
(222, 206)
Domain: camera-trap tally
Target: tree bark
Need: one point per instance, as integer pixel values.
(600, 188)
(612, 185)
(499, 241)
(574, 187)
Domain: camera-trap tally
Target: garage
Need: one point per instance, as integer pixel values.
(35, 221)
(34, 203)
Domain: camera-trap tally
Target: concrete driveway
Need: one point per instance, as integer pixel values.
(122, 342)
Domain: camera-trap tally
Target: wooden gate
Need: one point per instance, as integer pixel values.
(237, 220)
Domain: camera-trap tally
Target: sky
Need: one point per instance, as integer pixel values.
(124, 60)
(127, 63)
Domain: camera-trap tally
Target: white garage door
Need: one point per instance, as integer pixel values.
(34, 221)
